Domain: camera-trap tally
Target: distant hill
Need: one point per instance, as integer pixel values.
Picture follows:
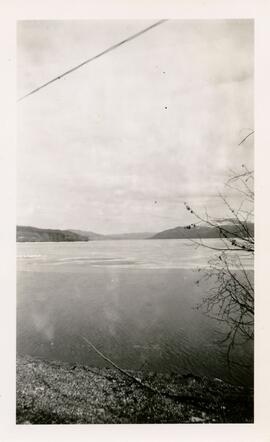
(181, 232)
(92, 236)
(35, 234)
(140, 235)
(117, 236)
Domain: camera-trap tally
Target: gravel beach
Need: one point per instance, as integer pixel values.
(52, 392)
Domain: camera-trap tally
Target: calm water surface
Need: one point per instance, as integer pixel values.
(135, 300)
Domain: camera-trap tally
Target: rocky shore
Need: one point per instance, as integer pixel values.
(51, 392)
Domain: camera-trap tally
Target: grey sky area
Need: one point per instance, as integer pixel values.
(120, 144)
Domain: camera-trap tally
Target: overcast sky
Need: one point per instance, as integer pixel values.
(120, 144)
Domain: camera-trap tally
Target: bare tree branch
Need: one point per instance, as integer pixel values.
(244, 139)
(231, 298)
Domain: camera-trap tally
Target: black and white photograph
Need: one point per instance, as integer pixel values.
(135, 221)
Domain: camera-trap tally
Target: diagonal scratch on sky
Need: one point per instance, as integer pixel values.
(111, 48)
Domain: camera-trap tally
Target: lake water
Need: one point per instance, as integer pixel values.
(134, 300)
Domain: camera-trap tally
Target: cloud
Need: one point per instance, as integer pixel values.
(158, 118)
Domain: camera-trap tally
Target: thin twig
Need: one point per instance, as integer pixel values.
(181, 398)
(244, 139)
(117, 367)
